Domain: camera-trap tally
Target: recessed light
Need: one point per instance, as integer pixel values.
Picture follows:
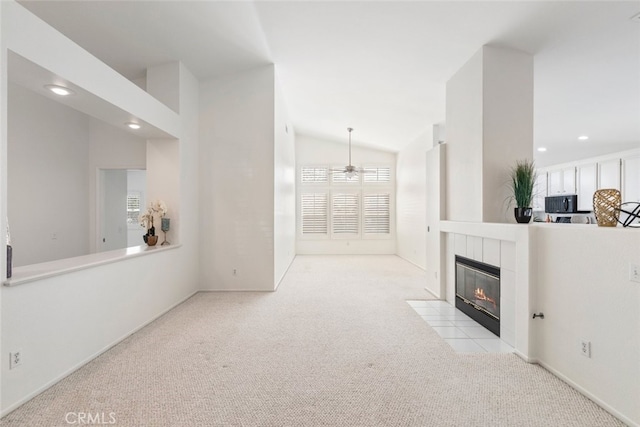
(60, 90)
(542, 149)
(583, 137)
(133, 125)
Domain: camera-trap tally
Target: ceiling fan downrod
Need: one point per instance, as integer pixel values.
(350, 130)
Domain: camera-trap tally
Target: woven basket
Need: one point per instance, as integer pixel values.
(606, 206)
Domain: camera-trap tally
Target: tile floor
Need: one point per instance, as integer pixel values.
(461, 332)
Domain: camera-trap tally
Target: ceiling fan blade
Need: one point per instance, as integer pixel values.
(366, 170)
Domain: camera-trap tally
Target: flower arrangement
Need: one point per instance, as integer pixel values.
(146, 219)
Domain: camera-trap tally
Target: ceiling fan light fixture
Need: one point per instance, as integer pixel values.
(350, 171)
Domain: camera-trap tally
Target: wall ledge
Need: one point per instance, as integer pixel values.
(34, 272)
(491, 230)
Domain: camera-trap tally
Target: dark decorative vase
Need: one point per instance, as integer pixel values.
(523, 215)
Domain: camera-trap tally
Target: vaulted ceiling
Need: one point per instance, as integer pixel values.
(381, 66)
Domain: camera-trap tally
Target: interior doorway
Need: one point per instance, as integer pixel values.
(121, 201)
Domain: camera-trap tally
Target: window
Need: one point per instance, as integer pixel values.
(376, 213)
(334, 207)
(313, 175)
(314, 213)
(133, 208)
(345, 214)
(373, 174)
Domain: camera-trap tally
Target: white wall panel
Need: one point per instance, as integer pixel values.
(237, 179)
(489, 121)
(411, 201)
(586, 295)
(48, 179)
(284, 189)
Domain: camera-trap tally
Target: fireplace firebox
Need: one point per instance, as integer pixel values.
(478, 292)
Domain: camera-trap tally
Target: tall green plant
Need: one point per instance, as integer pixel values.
(523, 178)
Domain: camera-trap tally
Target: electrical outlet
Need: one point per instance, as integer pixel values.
(585, 348)
(15, 359)
(235, 272)
(634, 272)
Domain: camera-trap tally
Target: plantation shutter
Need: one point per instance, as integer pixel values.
(133, 208)
(314, 213)
(376, 213)
(382, 174)
(311, 175)
(345, 213)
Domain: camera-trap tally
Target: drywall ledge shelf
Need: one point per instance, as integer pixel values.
(32, 273)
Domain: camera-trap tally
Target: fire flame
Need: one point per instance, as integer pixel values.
(480, 295)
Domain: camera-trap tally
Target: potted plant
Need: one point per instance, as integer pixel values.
(146, 220)
(523, 179)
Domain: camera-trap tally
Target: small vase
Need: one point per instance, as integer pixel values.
(523, 215)
(152, 240)
(606, 206)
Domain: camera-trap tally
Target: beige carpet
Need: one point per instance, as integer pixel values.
(336, 345)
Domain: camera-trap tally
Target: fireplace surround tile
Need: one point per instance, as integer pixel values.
(460, 244)
(491, 252)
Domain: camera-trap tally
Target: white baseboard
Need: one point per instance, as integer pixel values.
(411, 262)
(70, 371)
(285, 273)
(588, 394)
(525, 358)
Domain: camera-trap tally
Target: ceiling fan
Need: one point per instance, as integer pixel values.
(350, 171)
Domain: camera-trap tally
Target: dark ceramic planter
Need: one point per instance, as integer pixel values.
(523, 215)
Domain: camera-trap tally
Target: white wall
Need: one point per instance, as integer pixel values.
(489, 126)
(314, 151)
(507, 125)
(60, 323)
(284, 189)
(583, 288)
(237, 178)
(464, 143)
(411, 181)
(48, 186)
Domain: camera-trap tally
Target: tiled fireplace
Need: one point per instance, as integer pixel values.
(494, 250)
